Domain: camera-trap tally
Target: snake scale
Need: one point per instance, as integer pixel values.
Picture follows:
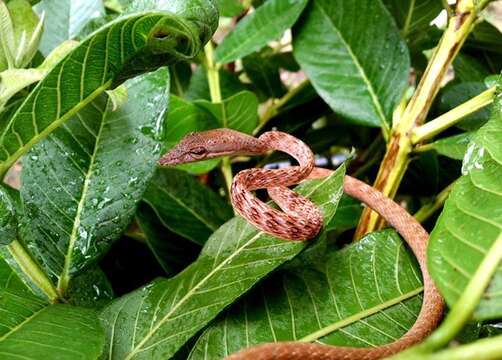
(300, 220)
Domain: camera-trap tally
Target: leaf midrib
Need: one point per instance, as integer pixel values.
(152, 331)
(64, 279)
(360, 315)
(371, 91)
(18, 326)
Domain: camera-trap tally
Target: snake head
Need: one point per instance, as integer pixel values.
(211, 144)
(190, 149)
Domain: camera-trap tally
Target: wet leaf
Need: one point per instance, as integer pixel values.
(360, 64)
(454, 146)
(81, 184)
(155, 321)
(470, 226)
(126, 46)
(367, 294)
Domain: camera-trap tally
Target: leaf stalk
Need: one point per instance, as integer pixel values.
(452, 117)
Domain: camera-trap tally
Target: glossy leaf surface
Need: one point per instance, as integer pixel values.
(360, 64)
(81, 184)
(127, 45)
(470, 226)
(155, 321)
(366, 294)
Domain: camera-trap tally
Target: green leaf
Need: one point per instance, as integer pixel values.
(185, 117)
(155, 321)
(360, 64)
(185, 206)
(230, 8)
(91, 289)
(413, 15)
(32, 329)
(238, 112)
(469, 69)
(129, 45)
(8, 218)
(453, 147)
(172, 252)
(347, 215)
(266, 23)
(470, 226)
(27, 31)
(8, 278)
(366, 294)
(263, 70)
(81, 184)
(181, 73)
(65, 19)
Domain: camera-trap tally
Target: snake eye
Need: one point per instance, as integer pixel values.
(198, 153)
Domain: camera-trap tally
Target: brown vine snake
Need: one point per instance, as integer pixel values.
(302, 220)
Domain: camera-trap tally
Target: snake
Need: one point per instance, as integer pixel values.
(299, 219)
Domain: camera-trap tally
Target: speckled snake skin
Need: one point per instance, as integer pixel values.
(302, 220)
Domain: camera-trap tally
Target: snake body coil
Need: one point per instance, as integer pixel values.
(302, 220)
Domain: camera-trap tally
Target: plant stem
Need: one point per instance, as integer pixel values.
(213, 74)
(463, 309)
(273, 110)
(397, 158)
(430, 208)
(452, 117)
(213, 79)
(32, 270)
(487, 349)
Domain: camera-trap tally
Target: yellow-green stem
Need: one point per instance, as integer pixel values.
(452, 117)
(430, 208)
(32, 270)
(213, 79)
(397, 158)
(486, 349)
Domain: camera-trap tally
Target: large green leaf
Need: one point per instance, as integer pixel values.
(199, 85)
(185, 206)
(470, 226)
(238, 112)
(82, 183)
(32, 329)
(413, 15)
(128, 45)
(155, 321)
(364, 295)
(65, 19)
(359, 65)
(257, 29)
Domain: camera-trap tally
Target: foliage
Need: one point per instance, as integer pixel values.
(141, 262)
